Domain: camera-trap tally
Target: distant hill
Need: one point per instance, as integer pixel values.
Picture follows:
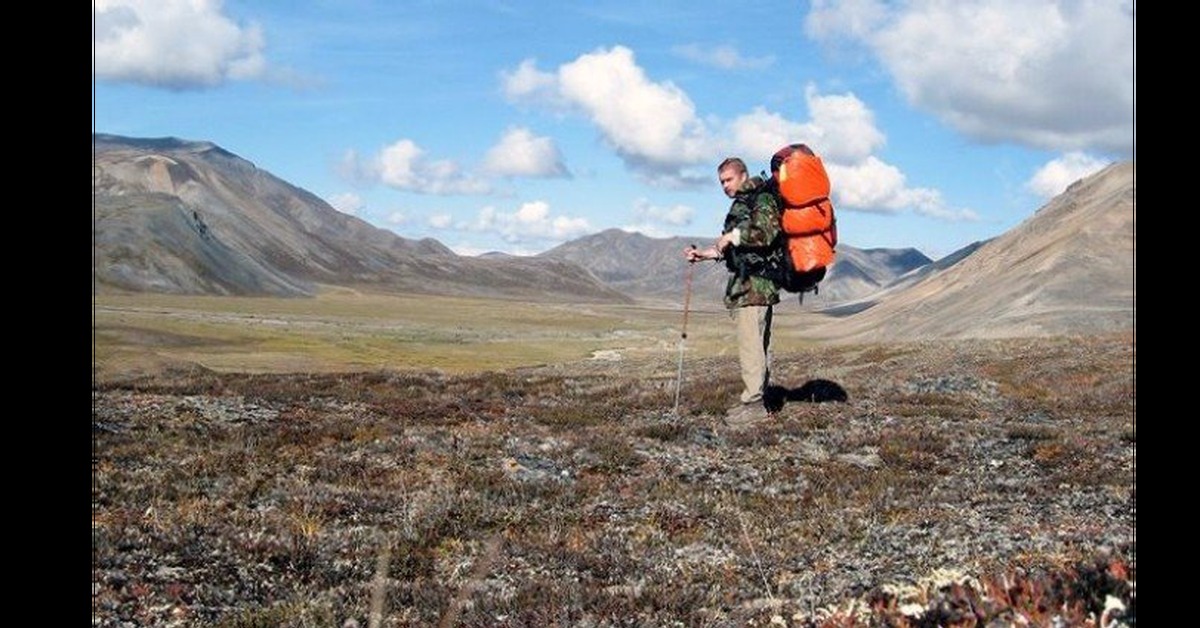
(854, 305)
(1068, 269)
(860, 272)
(184, 217)
(653, 268)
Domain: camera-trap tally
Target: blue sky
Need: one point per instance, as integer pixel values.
(516, 126)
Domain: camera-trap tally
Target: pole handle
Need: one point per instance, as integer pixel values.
(687, 296)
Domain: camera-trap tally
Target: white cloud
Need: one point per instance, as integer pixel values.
(530, 221)
(175, 44)
(758, 134)
(1047, 74)
(397, 165)
(844, 127)
(655, 129)
(529, 84)
(650, 229)
(521, 153)
(403, 166)
(724, 57)
(941, 212)
(871, 185)
(875, 186)
(658, 222)
(842, 131)
(856, 19)
(1053, 178)
(652, 126)
(675, 215)
(347, 203)
(397, 218)
(647, 123)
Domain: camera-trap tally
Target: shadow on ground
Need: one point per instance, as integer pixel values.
(813, 391)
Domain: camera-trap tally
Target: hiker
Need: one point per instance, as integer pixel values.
(748, 241)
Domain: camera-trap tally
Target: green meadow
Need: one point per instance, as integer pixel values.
(344, 330)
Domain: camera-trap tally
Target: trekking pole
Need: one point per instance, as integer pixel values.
(687, 300)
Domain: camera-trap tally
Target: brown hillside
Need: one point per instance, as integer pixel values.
(182, 217)
(1068, 269)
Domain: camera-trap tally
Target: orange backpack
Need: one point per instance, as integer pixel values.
(810, 229)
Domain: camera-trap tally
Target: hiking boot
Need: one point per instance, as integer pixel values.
(746, 415)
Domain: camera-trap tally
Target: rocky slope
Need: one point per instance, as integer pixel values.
(1067, 269)
(191, 218)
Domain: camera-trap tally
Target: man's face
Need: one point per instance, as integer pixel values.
(732, 180)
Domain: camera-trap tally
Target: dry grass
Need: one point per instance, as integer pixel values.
(346, 331)
(945, 487)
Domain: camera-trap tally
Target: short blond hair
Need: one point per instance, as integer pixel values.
(733, 162)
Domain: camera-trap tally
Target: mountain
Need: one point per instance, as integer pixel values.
(649, 269)
(186, 217)
(860, 272)
(1068, 269)
(860, 303)
(653, 268)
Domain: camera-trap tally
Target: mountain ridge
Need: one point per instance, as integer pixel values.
(176, 216)
(660, 272)
(1066, 269)
(185, 217)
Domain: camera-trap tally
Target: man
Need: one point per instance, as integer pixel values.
(748, 245)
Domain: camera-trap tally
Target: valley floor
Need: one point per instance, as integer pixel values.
(941, 483)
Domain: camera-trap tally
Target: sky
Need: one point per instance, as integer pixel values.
(517, 126)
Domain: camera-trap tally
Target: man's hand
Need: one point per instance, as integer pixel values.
(693, 254)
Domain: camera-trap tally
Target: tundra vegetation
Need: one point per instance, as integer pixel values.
(388, 460)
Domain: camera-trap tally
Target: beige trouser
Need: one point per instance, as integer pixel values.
(754, 349)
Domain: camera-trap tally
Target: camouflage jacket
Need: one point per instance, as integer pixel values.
(755, 214)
